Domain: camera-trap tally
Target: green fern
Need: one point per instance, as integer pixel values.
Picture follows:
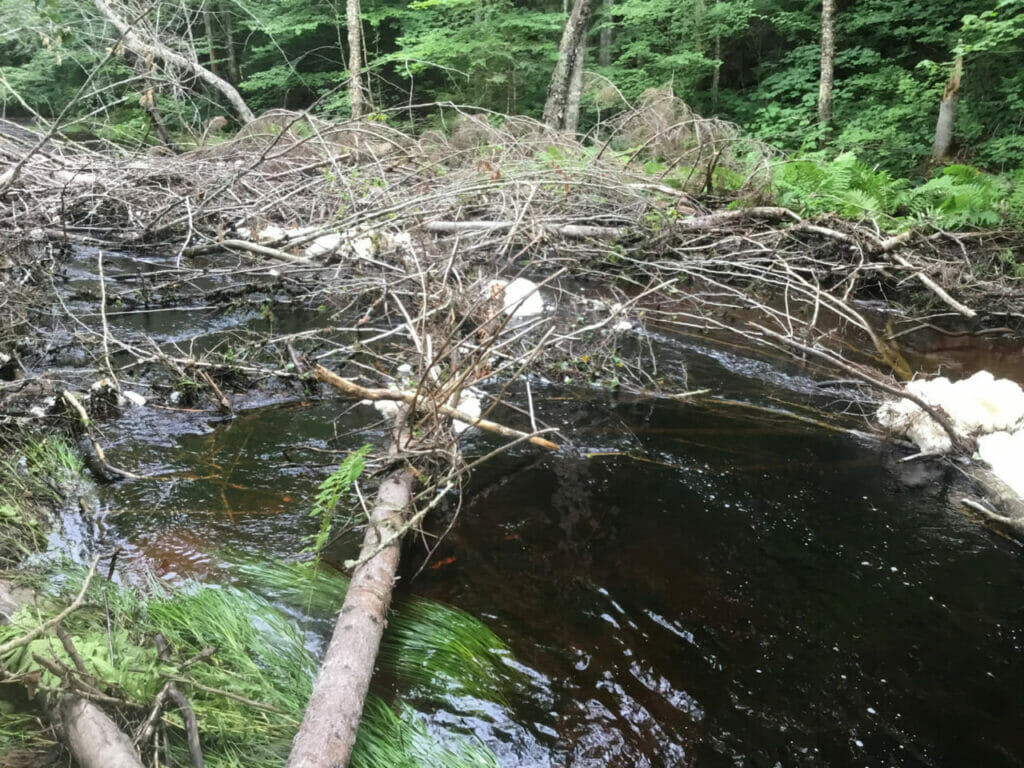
(1015, 202)
(331, 492)
(961, 196)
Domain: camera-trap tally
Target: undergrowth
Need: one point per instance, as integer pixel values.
(249, 696)
(957, 197)
(36, 474)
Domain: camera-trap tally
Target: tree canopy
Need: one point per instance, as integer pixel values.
(754, 62)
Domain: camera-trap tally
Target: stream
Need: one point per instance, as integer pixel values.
(689, 585)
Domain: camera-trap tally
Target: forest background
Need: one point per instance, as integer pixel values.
(757, 63)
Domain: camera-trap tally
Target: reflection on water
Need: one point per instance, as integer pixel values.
(770, 597)
(691, 585)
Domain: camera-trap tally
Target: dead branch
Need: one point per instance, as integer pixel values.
(411, 398)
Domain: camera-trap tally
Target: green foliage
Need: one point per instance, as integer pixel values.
(401, 740)
(961, 196)
(331, 491)
(845, 185)
(261, 656)
(35, 475)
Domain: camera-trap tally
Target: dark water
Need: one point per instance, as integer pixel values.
(687, 585)
(711, 588)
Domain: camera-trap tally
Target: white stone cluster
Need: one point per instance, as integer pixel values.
(982, 406)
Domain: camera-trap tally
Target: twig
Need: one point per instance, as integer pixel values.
(31, 635)
(410, 398)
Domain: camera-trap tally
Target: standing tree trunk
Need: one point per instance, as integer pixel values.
(828, 58)
(604, 46)
(567, 79)
(716, 76)
(227, 21)
(158, 50)
(208, 29)
(355, 58)
(947, 113)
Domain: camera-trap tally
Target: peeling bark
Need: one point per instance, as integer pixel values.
(828, 57)
(947, 113)
(355, 57)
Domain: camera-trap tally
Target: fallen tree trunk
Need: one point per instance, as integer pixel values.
(93, 738)
(332, 717)
(158, 50)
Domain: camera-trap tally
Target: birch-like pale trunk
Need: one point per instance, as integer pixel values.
(828, 57)
(328, 731)
(355, 58)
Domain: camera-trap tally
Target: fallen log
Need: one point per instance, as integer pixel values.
(567, 230)
(93, 738)
(329, 727)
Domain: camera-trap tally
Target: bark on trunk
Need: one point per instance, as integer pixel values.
(947, 113)
(604, 46)
(234, 74)
(828, 58)
(332, 717)
(93, 738)
(572, 102)
(159, 51)
(208, 28)
(558, 108)
(716, 75)
(355, 57)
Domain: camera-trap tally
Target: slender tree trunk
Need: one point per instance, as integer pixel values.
(160, 51)
(208, 28)
(355, 58)
(947, 113)
(559, 106)
(227, 20)
(332, 717)
(572, 102)
(716, 76)
(604, 46)
(828, 58)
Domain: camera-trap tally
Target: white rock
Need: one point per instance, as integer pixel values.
(133, 397)
(386, 408)
(623, 325)
(271, 233)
